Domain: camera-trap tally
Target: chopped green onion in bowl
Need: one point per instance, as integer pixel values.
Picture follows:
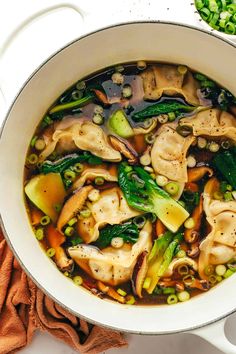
(219, 15)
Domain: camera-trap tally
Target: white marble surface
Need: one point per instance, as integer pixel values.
(42, 38)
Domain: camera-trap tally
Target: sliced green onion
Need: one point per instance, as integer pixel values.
(78, 167)
(45, 220)
(139, 221)
(130, 300)
(201, 142)
(76, 95)
(150, 138)
(98, 109)
(172, 188)
(189, 223)
(127, 91)
(228, 273)
(171, 116)
(128, 169)
(220, 269)
(78, 280)
(199, 4)
(147, 283)
(85, 213)
(214, 147)
(188, 280)
(69, 175)
(209, 270)
(230, 28)
(172, 299)
(212, 279)
(182, 69)
(32, 159)
(183, 296)
(51, 252)
(205, 13)
(40, 144)
(119, 68)
(183, 269)
(72, 221)
(117, 78)
(141, 65)
(161, 180)
(145, 160)
(181, 254)
(99, 181)
(94, 195)
(226, 144)
(81, 85)
(33, 141)
(228, 196)
(98, 119)
(39, 233)
(121, 292)
(69, 231)
(163, 118)
(168, 290)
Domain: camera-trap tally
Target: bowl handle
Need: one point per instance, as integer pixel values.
(215, 334)
(83, 11)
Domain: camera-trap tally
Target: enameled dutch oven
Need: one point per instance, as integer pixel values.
(174, 43)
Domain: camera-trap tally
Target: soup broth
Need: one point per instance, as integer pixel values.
(130, 183)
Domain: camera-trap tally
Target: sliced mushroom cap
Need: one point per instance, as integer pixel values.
(91, 174)
(125, 148)
(139, 273)
(194, 250)
(83, 135)
(178, 262)
(72, 206)
(196, 173)
(169, 283)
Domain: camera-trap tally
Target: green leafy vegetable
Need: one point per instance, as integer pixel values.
(75, 104)
(60, 165)
(148, 197)
(129, 233)
(75, 240)
(160, 257)
(164, 107)
(225, 163)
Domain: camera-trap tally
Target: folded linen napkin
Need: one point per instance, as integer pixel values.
(24, 308)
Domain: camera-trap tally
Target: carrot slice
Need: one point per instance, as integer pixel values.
(36, 216)
(101, 96)
(160, 228)
(139, 143)
(191, 186)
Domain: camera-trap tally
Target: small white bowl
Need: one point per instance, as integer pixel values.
(204, 24)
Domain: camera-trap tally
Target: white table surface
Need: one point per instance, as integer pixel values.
(41, 39)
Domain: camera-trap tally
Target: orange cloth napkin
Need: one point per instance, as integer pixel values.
(24, 308)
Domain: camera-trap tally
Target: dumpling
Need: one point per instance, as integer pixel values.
(110, 265)
(81, 134)
(169, 152)
(220, 244)
(163, 79)
(212, 122)
(111, 208)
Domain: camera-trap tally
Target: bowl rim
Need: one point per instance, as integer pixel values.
(8, 238)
